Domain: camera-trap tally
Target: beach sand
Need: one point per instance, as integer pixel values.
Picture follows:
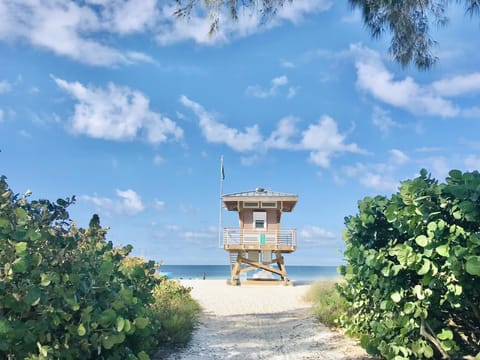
(259, 322)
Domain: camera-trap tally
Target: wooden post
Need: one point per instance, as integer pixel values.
(236, 270)
(281, 267)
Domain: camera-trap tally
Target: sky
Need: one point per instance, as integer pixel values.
(130, 109)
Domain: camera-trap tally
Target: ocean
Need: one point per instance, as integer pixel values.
(222, 272)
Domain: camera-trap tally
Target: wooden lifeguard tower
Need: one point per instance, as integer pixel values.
(259, 242)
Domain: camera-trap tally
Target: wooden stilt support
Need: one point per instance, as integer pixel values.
(235, 276)
(282, 268)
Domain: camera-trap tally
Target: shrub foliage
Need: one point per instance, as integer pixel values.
(328, 304)
(413, 269)
(66, 292)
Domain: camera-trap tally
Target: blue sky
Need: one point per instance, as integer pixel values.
(117, 103)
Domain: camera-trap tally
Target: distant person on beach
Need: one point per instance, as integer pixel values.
(204, 275)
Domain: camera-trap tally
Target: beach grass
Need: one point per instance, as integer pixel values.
(328, 305)
(176, 312)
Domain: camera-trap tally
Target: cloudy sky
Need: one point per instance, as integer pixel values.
(129, 109)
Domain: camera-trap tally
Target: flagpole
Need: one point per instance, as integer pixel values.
(222, 177)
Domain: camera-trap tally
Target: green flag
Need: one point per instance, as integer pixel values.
(222, 171)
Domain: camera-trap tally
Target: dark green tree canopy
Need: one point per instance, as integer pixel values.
(408, 21)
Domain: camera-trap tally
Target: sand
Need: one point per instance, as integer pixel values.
(259, 322)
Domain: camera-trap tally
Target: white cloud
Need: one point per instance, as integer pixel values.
(24, 133)
(159, 204)
(157, 160)
(216, 132)
(287, 64)
(5, 87)
(68, 28)
(292, 92)
(473, 112)
(173, 227)
(281, 137)
(374, 78)
(129, 203)
(321, 139)
(249, 160)
(128, 16)
(259, 92)
(472, 162)
(355, 17)
(312, 235)
(196, 27)
(458, 85)
(198, 234)
(311, 231)
(75, 29)
(428, 149)
(1, 115)
(382, 120)
(324, 141)
(378, 176)
(398, 157)
(440, 167)
(117, 113)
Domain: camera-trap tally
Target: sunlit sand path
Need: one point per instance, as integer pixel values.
(259, 322)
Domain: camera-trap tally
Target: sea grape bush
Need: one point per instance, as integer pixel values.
(412, 279)
(66, 292)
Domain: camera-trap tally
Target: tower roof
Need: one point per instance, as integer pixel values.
(260, 194)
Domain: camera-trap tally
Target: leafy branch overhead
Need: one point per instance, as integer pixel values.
(409, 22)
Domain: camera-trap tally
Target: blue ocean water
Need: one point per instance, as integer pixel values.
(221, 272)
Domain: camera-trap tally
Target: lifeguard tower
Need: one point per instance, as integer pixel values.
(259, 242)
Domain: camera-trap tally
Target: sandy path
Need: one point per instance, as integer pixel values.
(259, 322)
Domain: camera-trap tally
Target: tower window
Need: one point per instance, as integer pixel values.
(260, 220)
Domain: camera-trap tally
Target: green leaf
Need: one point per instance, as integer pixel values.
(143, 356)
(446, 334)
(421, 240)
(442, 250)
(43, 350)
(409, 308)
(4, 327)
(20, 248)
(120, 323)
(432, 226)
(19, 235)
(81, 331)
(21, 215)
(396, 297)
(475, 239)
(472, 265)
(127, 326)
(107, 317)
(19, 265)
(141, 322)
(34, 235)
(428, 352)
(33, 296)
(106, 268)
(108, 341)
(425, 267)
(455, 174)
(45, 279)
(418, 291)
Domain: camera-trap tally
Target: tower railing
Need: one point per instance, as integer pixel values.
(284, 239)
